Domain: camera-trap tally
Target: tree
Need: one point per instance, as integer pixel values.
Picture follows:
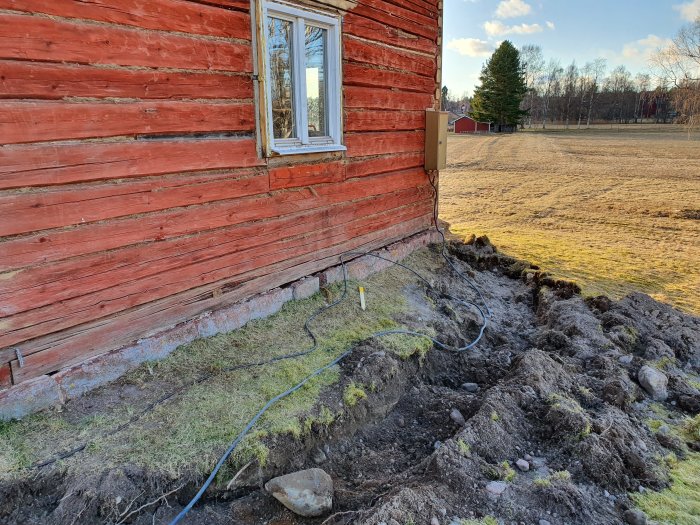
(502, 89)
(443, 98)
(679, 66)
(532, 61)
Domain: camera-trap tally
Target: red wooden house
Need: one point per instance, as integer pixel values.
(161, 158)
(467, 124)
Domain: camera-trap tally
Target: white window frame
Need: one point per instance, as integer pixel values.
(303, 143)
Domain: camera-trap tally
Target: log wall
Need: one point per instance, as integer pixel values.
(132, 194)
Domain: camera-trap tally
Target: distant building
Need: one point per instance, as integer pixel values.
(467, 124)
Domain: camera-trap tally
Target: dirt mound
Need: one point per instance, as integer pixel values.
(544, 420)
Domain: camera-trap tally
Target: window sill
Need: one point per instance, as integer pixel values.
(300, 150)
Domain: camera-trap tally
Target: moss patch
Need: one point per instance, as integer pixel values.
(353, 393)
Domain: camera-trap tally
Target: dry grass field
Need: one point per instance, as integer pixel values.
(614, 210)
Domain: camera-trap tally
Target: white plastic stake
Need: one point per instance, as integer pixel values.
(362, 298)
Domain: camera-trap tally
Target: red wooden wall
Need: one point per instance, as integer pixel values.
(469, 125)
(131, 193)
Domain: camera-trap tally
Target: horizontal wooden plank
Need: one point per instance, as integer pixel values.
(364, 144)
(394, 16)
(76, 345)
(56, 283)
(375, 98)
(298, 175)
(39, 80)
(65, 206)
(375, 54)
(54, 164)
(46, 121)
(369, 76)
(384, 120)
(91, 238)
(37, 38)
(131, 294)
(164, 15)
(369, 166)
(363, 27)
(403, 10)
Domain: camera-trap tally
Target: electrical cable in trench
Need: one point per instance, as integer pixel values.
(485, 314)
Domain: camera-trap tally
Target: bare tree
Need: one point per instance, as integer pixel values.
(533, 63)
(570, 82)
(550, 82)
(597, 71)
(679, 66)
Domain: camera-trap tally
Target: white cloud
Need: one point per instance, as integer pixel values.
(470, 47)
(496, 28)
(641, 50)
(689, 10)
(512, 9)
(550, 25)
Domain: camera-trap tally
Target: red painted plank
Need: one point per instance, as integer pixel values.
(364, 144)
(37, 38)
(365, 28)
(374, 98)
(165, 15)
(384, 120)
(44, 285)
(369, 76)
(399, 18)
(53, 164)
(360, 51)
(5, 376)
(75, 345)
(30, 212)
(399, 11)
(55, 81)
(91, 238)
(297, 175)
(45, 121)
(364, 167)
(126, 295)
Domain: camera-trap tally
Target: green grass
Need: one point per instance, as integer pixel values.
(353, 393)
(187, 434)
(680, 503)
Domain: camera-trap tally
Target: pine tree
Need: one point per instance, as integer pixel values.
(502, 89)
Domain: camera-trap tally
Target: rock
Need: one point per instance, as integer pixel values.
(523, 465)
(635, 517)
(434, 521)
(527, 457)
(401, 422)
(544, 522)
(470, 387)
(308, 493)
(654, 382)
(437, 445)
(457, 417)
(496, 487)
(318, 456)
(625, 359)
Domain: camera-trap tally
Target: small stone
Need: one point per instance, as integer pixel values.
(527, 457)
(457, 417)
(437, 445)
(625, 359)
(415, 391)
(606, 493)
(635, 517)
(318, 456)
(523, 465)
(496, 487)
(308, 493)
(654, 382)
(544, 522)
(401, 421)
(434, 521)
(443, 512)
(470, 387)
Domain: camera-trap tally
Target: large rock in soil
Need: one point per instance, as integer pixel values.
(654, 382)
(308, 493)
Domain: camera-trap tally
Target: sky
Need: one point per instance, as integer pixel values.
(625, 32)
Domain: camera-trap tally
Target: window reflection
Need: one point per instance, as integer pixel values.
(316, 95)
(280, 56)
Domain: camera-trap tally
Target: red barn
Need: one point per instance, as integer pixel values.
(160, 159)
(469, 125)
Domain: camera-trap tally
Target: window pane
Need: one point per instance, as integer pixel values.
(316, 95)
(279, 41)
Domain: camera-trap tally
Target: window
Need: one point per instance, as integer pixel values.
(303, 80)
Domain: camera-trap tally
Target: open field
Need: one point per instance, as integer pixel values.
(615, 210)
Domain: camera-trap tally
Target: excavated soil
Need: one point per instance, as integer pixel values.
(557, 385)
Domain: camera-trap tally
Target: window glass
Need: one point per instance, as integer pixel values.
(280, 36)
(316, 88)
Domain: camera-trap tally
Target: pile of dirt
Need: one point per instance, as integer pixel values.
(544, 421)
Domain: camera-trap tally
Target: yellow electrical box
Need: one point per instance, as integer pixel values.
(435, 140)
